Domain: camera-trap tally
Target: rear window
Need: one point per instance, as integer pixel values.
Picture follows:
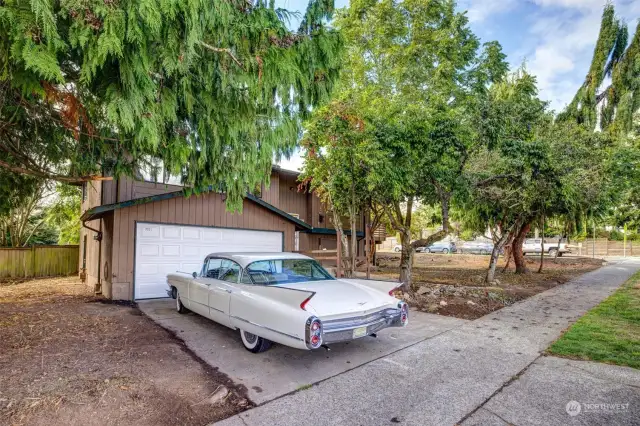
(284, 271)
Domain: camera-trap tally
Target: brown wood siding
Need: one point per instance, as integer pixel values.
(291, 200)
(129, 189)
(204, 210)
(93, 199)
(271, 193)
(107, 250)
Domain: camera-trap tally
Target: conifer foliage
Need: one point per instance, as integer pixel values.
(215, 89)
(612, 107)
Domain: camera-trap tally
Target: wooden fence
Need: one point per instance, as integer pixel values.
(38, 261)
(604, 247)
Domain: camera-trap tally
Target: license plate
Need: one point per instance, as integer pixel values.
(359, 332)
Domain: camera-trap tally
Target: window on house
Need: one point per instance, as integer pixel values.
(84, 191)
(320, 218)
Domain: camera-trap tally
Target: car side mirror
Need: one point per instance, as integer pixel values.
(195, 275)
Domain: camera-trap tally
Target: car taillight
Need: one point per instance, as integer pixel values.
(404, 313)
(304, 302)
(313, 333)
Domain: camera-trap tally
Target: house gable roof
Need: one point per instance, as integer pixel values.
(100, 211)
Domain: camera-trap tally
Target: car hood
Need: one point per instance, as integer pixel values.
(337, 298)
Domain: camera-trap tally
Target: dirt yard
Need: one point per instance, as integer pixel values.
(453, 284)
(68, 357)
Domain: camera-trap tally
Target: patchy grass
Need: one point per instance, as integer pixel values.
(609, 333)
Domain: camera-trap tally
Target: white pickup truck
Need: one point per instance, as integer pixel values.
(533, 245)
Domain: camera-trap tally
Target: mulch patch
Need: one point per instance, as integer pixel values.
(68, 358)
(453, 285)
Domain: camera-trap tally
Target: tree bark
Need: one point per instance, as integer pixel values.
(406, 260)
(354, 240)
(541, 267)
(343, 244)
(518, 256)
(506, 237)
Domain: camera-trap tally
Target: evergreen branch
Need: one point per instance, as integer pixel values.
(222, 50)
(53, 176)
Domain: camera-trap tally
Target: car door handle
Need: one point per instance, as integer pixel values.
(224, 288)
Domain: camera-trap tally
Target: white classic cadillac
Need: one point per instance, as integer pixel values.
(286, 298)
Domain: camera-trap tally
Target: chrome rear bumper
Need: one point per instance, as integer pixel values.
(342, 330)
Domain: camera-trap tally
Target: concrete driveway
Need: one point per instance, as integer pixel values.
(485, 372)
(281, 369)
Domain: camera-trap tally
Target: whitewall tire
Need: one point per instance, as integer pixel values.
(179, 306)
(254, 343)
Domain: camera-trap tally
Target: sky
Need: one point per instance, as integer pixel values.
(554, 38)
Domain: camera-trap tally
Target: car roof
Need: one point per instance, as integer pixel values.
(244, 259)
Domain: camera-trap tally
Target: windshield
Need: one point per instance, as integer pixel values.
(283, 271)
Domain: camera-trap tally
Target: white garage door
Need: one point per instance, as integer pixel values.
(165, 249)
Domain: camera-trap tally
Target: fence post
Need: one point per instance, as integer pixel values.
(33, 261)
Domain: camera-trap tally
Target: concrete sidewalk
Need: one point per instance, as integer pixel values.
(448, 378)
(558, 391)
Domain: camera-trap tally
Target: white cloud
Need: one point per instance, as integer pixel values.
(479, 10)
(566, 32)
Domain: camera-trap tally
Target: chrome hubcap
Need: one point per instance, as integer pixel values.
(250, 338)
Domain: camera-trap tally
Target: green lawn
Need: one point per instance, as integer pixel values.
(610, 332)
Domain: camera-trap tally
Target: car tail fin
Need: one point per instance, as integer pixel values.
(288, 296)
(384, 286)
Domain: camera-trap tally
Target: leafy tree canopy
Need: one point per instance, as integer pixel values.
(214, 90)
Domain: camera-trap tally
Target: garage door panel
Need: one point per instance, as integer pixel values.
(190, 233)
(164, 249)
(190, 251)
(171, 251)
(150, 231)
(149, 249)
(171, 233)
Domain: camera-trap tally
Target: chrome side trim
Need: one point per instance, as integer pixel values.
(216, 309)
(267, 328)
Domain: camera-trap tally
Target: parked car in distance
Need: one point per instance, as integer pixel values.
(286, 298)
(534, 245)
(475, 247)
(397, 248)
(439, 247)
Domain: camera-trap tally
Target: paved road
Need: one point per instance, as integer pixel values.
(456, 376)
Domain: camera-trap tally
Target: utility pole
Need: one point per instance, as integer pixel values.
(624, 244)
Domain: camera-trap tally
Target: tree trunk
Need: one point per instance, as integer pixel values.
(509, 252)
(541, 267)
(495, 253)
(354, 244)
(343, 244)
(518, 256)
(406, 260)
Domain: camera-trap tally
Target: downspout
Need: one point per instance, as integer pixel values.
(98, 238)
